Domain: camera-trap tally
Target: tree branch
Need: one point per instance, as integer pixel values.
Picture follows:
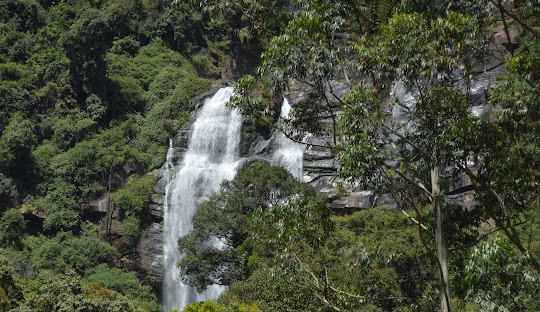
(517, 19)
(512, 234)
(289, 136)
(418, 185)
(482, 237)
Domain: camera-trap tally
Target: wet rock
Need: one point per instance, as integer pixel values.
(150, 250)
(320, 165)
(156, 211)
(261, 147)
(159, 188)
(100, 204)
(360, 200)
(157, 199)
(338, 203)
(385, 200)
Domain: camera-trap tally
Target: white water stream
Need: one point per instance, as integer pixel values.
(212, 156)
(287, 153)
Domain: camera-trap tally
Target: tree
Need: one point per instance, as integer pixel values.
(8, 192)
(260, 17)
(61, 207)
(403, 146)
(68, 293)
(371, 260)
(499, 277)
(125, 283)
(133, 201)
(209, 306)
(506, 178)
(226, 216)
(17, 139)
(11, 293)
(65, 252)
(12, 228)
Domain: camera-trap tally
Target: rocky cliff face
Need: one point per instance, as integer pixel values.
(150, 247)
(320, 164)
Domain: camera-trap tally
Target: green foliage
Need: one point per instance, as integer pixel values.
(61, 207)
(90, 92)
(390, 241)
(71, 129)
(12, 228)
(133, 199)
(8, 192)
(66, 251)
(209, 306)
(226, 215)
(498, 278)
(10, 290)
(165, 81)
(63, 293)
(367, 262)
(262, 17)
(135, 195)
(128, 46)
(433, 50)
(125, 283)
(72, 74)
(285, 251)
(273, 293)
(42, 264)
(16, 141)
(204, 67)
(132, 229)
(129, 94)
(292, 221)
(146, 65)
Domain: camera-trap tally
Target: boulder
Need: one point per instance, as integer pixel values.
(156, 211)
(158, 199)
(360, 200)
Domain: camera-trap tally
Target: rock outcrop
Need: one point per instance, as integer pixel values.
(150, 250)
(320, 163)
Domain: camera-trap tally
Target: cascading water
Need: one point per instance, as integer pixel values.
(212, 156)
(288, 154)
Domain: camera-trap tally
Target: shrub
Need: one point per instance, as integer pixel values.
(8, 192)
(133, 199)
(132, 229)
(67, 251)
(209, 306)
(204, 67)
(135, 195)
(125, 283)
(61, 206)
(12, 227)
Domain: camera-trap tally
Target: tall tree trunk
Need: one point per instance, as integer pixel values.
(444, 283)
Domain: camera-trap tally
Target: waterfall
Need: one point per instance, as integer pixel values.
(212, 156)
(288, 154)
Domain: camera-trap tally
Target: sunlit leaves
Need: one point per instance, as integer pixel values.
(411, 47)
(227, 216)
(500, 279)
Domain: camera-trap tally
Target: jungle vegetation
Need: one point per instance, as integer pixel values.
(90, 92)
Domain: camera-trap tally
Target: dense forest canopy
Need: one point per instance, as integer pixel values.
(91, 91)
